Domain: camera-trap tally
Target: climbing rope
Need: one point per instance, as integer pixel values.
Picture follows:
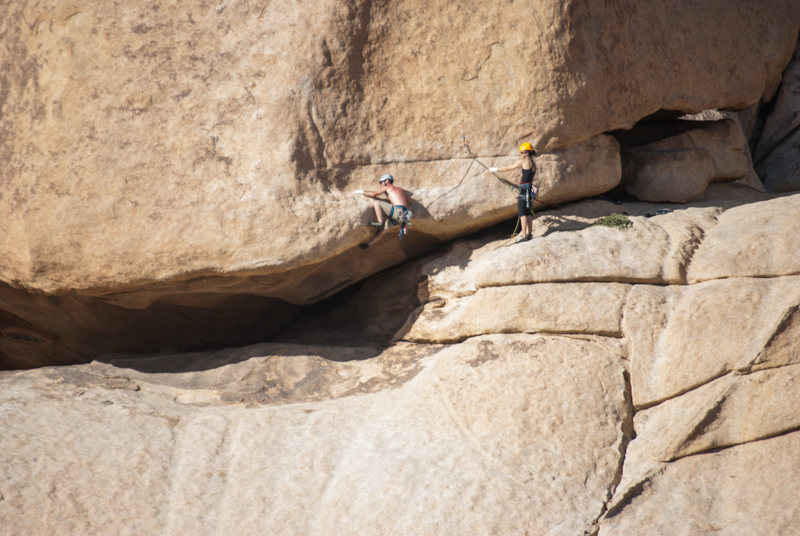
(454, 187)
(514, 187)
(474, 159)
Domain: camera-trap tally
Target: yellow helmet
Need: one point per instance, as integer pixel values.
(526, 147)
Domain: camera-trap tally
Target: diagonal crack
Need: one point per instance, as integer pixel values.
(632, 492)
(720, 448)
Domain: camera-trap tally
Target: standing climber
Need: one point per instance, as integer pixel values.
(527, 190)
(391, 212)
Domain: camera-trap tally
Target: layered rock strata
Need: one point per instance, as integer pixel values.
(435, 450)
(590, 381)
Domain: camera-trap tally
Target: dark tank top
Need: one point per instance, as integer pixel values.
(527, 176)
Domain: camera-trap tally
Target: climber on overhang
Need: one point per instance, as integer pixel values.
(527, 190)
(390, 212)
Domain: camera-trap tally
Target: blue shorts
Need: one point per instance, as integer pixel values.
(389, 211)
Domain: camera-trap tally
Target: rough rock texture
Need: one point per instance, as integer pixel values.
(599, 385)
(778, 145)
(150, 144)
(181, 176)
(730, 492)
(673, 348)
(784, 118)
(678, 168)
(743, 244)
(543, 308)
(462, 442)
(747, 120)
(781, 169)
(46, 330)
(182, 162)
(580, 171)
(675, 176)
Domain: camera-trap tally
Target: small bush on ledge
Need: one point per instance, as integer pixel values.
(616, 221)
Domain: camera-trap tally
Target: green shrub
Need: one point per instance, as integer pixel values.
(616, 221)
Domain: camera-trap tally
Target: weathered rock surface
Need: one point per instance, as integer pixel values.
(780, 171)
(678, 351)
(175, 174)
(160, 147)
(463, 443)
(743, 245)
(678, 168)
(582, 170)
(730, 411)
(784, 117)
(596, 382)
(656, 249)
(676, 176)
(169, 159)
(730, 492)
(543, 308)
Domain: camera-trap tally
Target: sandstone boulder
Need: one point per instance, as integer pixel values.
(784, 116)
(678, 351)
(581, 171)
(781, 169)
(730, 492)
(633, 389)
(677, 176)
(729, 411)
(655, 249)
(233, 310)
(743, 244)
(464, 444)
(181, 148)
(587, 308)
(732, 410)
(678, 168)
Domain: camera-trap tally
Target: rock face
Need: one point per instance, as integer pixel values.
(781, 170)
(151, 145)
(180, 178)
(439, 441)
(778, 146)
(170, 166)
(675, 176)
(677, 169)
(590, 381)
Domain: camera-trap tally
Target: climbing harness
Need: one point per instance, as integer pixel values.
(527, 193)
(404, 221)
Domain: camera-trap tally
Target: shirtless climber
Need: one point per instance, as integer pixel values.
(389, 213)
